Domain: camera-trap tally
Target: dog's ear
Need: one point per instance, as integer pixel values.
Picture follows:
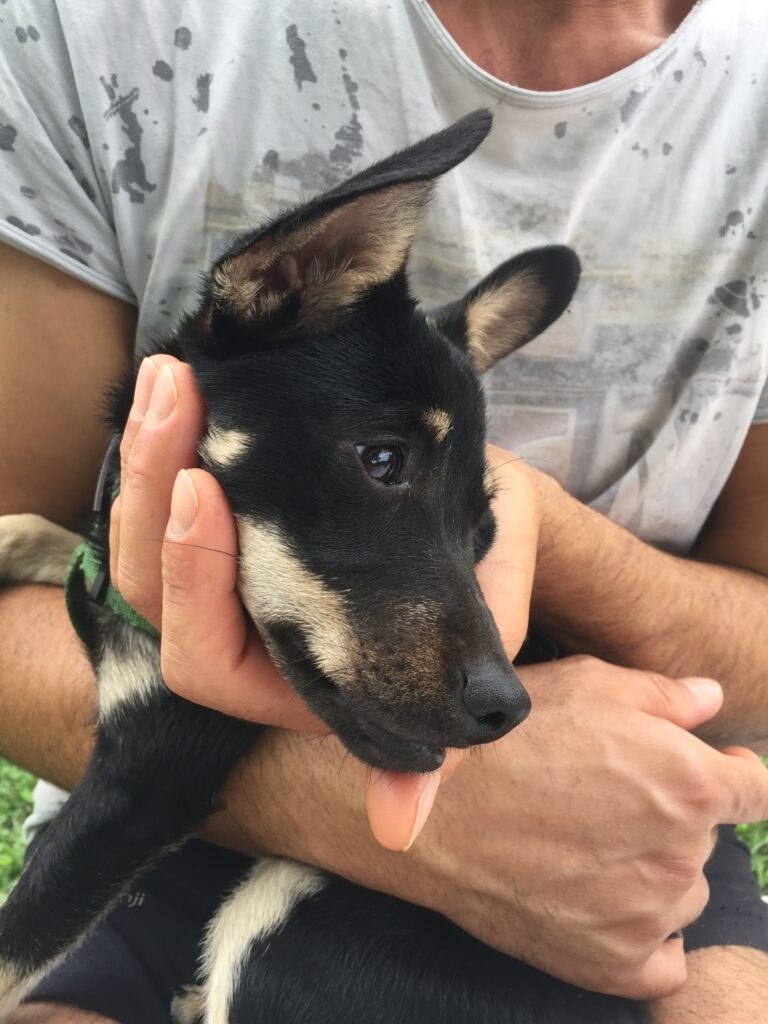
(512, 305)
(321, 257)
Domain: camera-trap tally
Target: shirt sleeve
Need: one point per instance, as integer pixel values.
(55, 202)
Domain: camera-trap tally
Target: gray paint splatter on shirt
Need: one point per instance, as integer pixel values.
(71, 244)
(182, 37)
(81, 180)
(162, 70)
(733, 220)
(560, 129)
(7, 137)
(629, 107)
(129, 173)
(700, 58)
(302, 69)
(78, 127)
(203, 98)
(29, 229)
(28, 192)
(666, 148)
(21, 34)
(733, 296)
(350, 142)
(34, 35)
(679, 75)
(350, 86)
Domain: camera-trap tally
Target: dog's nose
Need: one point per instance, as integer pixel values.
(495, 700)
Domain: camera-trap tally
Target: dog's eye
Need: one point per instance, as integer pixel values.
(383, 462)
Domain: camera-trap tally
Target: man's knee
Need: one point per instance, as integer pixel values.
(55, 1013)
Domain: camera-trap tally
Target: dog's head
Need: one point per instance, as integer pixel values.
(347, 429)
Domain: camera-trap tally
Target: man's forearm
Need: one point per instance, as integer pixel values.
(48, 700)
(599, 589)
(47, 688)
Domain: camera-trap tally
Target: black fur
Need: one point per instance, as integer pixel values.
(314, 384)
(349, 955)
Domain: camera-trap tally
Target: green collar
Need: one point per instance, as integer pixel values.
(86, 562)
(89, 564)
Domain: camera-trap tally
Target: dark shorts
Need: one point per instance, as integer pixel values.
(146, 950)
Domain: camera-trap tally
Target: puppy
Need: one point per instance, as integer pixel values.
(347, 430)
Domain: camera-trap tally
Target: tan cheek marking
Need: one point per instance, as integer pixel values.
(224, 447)
(439, 422)
(276, 587)
(500, 321)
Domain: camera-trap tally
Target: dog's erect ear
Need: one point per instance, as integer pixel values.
(512, 305)
(321, 257)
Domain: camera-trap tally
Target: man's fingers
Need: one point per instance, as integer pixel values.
(211, 653)
(145, 381)
(685, 702)
(114, 538)
(142, 393)
(745, 781)
(161, 444)
(506, 574)
(662, 974)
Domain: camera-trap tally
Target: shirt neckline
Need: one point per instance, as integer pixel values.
(560, 97)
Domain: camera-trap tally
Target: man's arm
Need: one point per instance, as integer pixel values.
(600, 589)
(61, 345)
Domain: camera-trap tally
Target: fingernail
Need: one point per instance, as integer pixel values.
(183, 505)
(145, 381)
(164, 397)
(424, 806)
(706, 688)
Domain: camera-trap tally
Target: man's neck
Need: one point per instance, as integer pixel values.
(558, 44)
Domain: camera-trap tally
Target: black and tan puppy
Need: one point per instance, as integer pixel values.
(347, 430)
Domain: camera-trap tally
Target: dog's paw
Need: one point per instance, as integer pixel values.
(34, 550)
(188, 1007)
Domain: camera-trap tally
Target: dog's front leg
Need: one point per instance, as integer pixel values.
(157, 767)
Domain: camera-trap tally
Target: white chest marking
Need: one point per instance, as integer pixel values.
(129, 669)
(259, 906)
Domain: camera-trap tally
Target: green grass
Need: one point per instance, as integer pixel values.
(16, 800)
(15, 803)
(756, 838)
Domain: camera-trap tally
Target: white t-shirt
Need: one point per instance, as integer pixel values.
(137, 139)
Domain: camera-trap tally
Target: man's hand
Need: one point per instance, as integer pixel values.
(575, 843)
(176, 562)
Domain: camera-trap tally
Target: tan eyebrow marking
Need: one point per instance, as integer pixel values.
(439, 422)
(224, 447)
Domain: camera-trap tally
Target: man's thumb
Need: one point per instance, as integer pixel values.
(686, 702)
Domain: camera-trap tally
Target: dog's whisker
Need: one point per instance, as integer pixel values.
(186, 544)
